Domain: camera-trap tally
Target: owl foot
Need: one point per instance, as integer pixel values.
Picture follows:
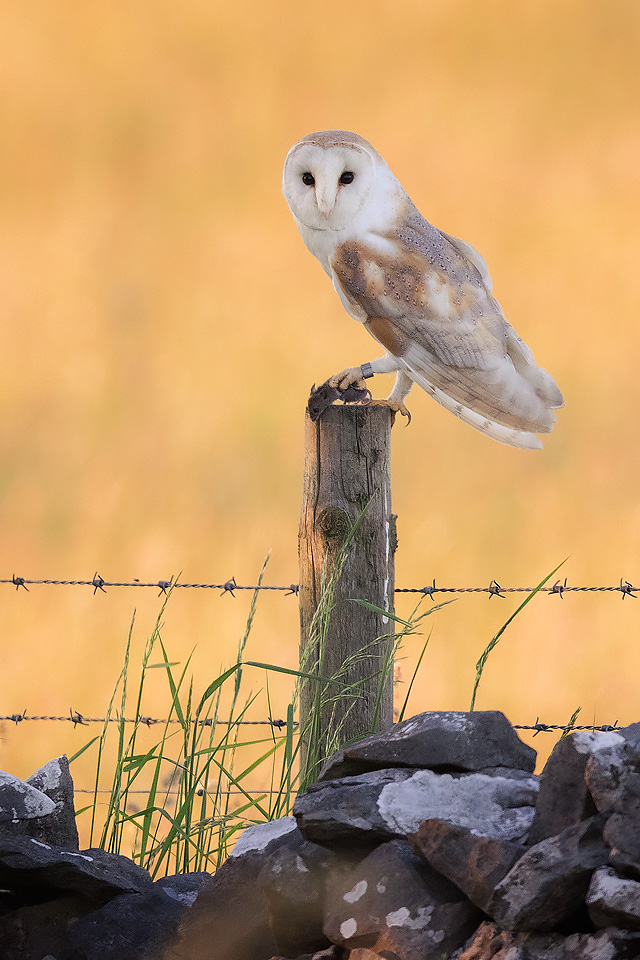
(396, 406)
(344, 379)
(323, 396)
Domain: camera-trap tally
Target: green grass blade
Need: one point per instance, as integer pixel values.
(480, 665)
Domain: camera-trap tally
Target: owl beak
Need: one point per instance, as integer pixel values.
(325, 200)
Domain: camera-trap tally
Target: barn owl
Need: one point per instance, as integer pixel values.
(422, 294)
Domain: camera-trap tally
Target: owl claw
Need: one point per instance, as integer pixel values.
(396, 406)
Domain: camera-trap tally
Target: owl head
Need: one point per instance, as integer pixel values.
(329, 178)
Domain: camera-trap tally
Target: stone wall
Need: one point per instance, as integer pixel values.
(434, 841)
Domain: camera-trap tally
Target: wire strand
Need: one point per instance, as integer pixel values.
(559, 588)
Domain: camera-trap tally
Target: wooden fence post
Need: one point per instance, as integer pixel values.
(346, 469)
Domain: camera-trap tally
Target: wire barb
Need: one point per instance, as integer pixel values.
(98, 583)
(627, 589)
(495, 590)
(559, 588)
(429, 591)
(19, 582)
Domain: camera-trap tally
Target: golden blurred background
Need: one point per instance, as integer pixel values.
(163, 323)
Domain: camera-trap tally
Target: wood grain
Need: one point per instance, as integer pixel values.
(346, 472)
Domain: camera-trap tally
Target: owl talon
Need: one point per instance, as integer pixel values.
(396, 406)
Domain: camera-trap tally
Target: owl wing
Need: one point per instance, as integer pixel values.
(427, 298)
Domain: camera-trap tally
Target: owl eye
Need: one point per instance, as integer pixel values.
(347, 177)
(308, 179)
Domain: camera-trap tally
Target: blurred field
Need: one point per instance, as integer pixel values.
(162, 325)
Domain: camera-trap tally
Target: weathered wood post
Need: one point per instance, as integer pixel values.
(346, 483)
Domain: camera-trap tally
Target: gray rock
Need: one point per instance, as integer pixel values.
(21, 801)
(331, 953)
(474, 863)
(59, 827)
(622, 830)
(613, 901)
(185, 887)
(260, 837)
(294, 879)
(394, 904)
(346, 811)
(605, 773)
(437, 740)
(393, 803)
(363, 953)
(610, 772)
(564, 798)
(137, 925)
(38, 930)
(230, 918)
(550, 881)
(491, 943)
(95, 875)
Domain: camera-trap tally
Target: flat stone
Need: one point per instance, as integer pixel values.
(613, 901)
(500, 807)
(259, 837)
(549, 882)
(396, 905)
(393, 803)
(491, 943)
(345, 811)
(27, 864)
(437, 740)
(564, 797)
(21, 801)
(474, 863)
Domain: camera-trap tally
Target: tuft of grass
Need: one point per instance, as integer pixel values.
(322, 730)
(572, 722)
(195, 776)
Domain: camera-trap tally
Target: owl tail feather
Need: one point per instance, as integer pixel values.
(516, 438)
(525, 439)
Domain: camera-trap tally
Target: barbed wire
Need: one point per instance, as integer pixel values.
(99, 583)
(559, 588)
(77, 719)
(174, 793)
(540, 727)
